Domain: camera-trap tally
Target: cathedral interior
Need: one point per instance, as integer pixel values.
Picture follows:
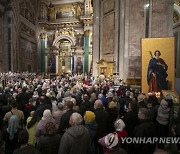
(84, 36)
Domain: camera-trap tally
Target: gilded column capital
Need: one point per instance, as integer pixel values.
(43, 35)
(87, 32)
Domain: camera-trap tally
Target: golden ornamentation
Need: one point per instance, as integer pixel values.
(51, 12)
(177, 2)
(87, 32)
(43, 35)
(65, 31)
(175, 17)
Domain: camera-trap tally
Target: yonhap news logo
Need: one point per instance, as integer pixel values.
(150, 140)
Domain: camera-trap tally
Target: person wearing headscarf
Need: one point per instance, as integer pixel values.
(47, 117)
(91, 125)
(10, 135)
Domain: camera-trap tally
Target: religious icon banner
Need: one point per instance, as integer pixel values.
(158, 64)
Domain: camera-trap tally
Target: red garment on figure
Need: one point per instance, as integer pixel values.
(153, 84)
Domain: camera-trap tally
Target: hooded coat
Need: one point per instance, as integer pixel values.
(76, 140)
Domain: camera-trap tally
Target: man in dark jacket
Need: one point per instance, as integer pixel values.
(64, 123)
(146, 129)
(76, 139)
(39, 112)
(103, 121)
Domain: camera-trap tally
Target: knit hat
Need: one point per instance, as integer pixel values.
(89, 116)
(119, 125)
(46, 114)
(109, 95)
(112, 105)
(111, 140)
(141, 97)
(50, 128)
(164, 102)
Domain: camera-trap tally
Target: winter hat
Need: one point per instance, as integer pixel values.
(164, 102)
(141, 97)
(50, 128)
(46, 114)
(111, 140)
(119, 125)
(112, 105)
(89, 116)
(109, 95)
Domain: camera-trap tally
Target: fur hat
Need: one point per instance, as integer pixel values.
(111, 140)
(164, 102)
(119, 125)
(89, 116)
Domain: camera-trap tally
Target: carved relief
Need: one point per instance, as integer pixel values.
(26, 10)
(175, 17)
(27, 30)
(108, 34)
(64, 31)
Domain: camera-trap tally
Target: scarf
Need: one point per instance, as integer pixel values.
(163, 116)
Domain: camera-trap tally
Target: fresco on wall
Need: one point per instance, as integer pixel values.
(69, 10)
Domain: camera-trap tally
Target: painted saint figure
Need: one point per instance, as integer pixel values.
(79, 66)
(157, 73)
(51, 12)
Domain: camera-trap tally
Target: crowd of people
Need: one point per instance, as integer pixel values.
(78, 114)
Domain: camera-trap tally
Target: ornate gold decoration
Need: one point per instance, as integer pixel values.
(87, 32)
(177, 2)
(43, 35)
(65, 31)
(175, 17)
(105, 67)
(51, 12)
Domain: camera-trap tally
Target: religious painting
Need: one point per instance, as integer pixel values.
(65, 11)
(158, 64)
(51, 65)
(49, 40)
(80, 40)
(79, 65)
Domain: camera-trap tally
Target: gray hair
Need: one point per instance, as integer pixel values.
(145, 112)
(76, 119)
(98, 104)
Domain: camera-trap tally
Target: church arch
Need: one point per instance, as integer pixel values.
(71, 39)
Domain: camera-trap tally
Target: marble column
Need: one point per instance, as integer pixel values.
(96, 36)
(86, 52)
(43, 36)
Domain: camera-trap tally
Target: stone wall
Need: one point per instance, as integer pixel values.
(123, 23)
